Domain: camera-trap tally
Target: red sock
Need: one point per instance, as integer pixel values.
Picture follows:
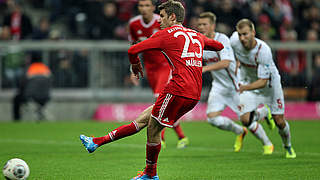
(162, 134)
(179, 131)
(153, 151)
(118, 133)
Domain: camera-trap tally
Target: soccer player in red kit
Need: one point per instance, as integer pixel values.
(183, 49)
(157, 67)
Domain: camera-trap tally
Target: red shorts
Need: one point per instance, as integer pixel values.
(158, 80)
(169, 108)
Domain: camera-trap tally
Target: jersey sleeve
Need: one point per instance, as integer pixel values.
(206, 54)
(264, 63)
(154, 42)
(210, 44)
(226, 53)
(234, 38)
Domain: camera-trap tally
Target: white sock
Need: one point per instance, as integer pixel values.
(260, 113)
(285, 135)
(259, 132)
(225, 123)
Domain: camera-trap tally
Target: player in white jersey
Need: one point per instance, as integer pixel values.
(224, 91)
(260, 85)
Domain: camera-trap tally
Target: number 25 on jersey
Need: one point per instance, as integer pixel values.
(189, 37)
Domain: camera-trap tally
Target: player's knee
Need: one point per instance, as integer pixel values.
(280, 122)
(245, 121)
(140, 124)
(153, 131)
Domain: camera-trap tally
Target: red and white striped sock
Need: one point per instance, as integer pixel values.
(259, 132)
(179, 131)
(153, 151)
(118, 133)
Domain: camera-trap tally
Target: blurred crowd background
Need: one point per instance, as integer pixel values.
(62, 20)
(283, 20)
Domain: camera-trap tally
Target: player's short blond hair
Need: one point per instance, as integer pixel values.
(211, 16)
(245, 22)
(173, 7)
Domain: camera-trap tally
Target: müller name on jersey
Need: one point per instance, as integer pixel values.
(193, 62)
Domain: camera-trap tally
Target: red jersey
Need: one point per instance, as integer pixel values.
(183, 49)
(156, 66)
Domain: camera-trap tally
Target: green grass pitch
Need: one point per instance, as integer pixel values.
(54, 152)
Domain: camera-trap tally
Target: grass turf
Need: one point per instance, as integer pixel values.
(53, 151)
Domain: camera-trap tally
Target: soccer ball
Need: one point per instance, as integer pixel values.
(16, 169)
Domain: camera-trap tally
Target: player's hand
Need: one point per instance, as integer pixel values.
(134, 80)
(204, 69)
(137, 70)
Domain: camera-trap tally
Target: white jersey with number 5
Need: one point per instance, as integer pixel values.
(225, 82)
(258, 63)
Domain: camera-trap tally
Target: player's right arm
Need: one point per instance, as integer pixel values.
(226, 56)
(154, 42)
(217, 66)
(210, 44)
(263, 72)
(133, 40)
(258, 84)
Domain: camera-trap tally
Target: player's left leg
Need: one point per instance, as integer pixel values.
(258, 131)
(217, 102)
(284, 131)
(249, 102)
(224, 123)
(183, 140)
(91, 144)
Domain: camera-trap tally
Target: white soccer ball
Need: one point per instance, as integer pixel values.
(16, 169)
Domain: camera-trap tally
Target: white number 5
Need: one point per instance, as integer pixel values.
(189, 36)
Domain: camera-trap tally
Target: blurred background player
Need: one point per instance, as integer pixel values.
(34, 87)
(261, 85)
(224, 90)
(156, 65)
(179, 96)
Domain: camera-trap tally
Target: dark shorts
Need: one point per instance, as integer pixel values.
(169, 108)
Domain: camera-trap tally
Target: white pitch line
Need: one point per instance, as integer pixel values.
(73, 143)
